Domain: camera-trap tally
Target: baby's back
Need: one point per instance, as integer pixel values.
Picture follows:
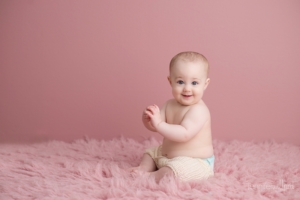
(200, 146)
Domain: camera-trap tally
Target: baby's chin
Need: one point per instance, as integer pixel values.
(187, 104)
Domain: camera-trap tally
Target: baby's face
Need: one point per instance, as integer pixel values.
(188, 81)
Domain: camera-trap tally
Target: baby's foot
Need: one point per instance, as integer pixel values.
(137, 171)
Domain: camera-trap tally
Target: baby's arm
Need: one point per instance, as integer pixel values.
(191, 124)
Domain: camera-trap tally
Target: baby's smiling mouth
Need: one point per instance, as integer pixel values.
(184, 95)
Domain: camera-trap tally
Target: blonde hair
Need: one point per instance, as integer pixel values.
(189, 56)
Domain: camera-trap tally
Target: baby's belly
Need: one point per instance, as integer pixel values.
(171, 150)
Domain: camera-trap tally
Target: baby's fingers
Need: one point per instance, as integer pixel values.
(145, 115)
(149, 114)
(155, 108)
(151, 108)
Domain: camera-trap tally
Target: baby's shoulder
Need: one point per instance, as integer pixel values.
(199, 108)
(170, 102)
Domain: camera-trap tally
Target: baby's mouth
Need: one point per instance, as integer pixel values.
(184, 95)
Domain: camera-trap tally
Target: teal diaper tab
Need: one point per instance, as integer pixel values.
(210, 161)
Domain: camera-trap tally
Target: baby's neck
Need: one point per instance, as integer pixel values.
(183, 105)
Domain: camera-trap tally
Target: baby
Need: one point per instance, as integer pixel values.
(184, 122)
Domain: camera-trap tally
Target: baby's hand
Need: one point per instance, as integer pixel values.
(146, 118)
(153, 112)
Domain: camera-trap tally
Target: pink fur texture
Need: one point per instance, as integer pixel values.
(90, 169)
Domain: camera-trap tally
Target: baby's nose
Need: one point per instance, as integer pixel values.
(187, 87)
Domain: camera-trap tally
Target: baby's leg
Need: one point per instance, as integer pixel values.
(147, 165)
(159, 174)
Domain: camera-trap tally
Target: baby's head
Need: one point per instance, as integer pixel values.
(188, 77)
(190, 56)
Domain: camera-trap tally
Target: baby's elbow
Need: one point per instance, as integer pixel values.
(188, 135)
(185, 137)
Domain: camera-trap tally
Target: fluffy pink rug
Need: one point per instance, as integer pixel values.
(91, 169)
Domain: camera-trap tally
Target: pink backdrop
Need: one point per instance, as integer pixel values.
(73, 68)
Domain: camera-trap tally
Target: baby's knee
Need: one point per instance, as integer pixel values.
(162, 172)
(166, 171)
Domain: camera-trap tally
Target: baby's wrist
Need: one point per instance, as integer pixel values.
(158, 124)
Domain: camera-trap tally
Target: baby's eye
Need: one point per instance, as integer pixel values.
(180, 82)
(194, 83)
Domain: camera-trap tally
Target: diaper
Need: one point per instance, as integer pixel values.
(185, 168)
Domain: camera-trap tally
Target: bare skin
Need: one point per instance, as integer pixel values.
(184, 121)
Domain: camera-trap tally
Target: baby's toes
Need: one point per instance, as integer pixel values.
(134, 172)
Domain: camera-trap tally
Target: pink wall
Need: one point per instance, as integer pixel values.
(73, 68)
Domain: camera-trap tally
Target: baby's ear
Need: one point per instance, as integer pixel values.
(169, 79)
(207, 82)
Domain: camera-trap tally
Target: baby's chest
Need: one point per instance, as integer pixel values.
(175, 116)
